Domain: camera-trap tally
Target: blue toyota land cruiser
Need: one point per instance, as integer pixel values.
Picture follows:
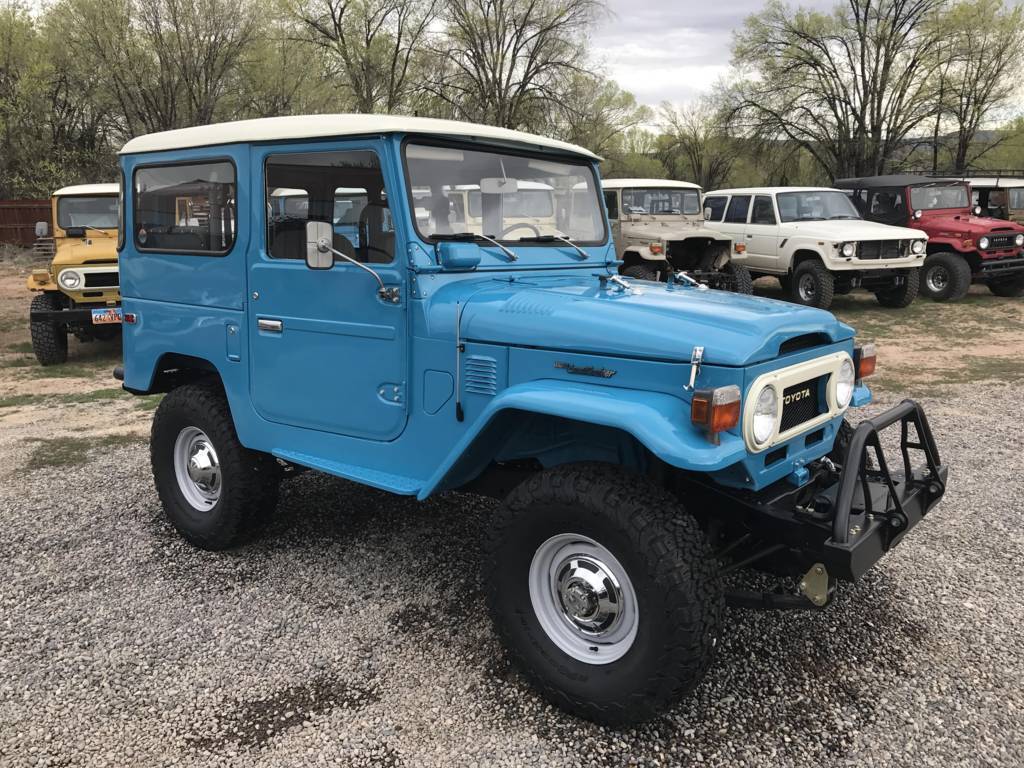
(647, 439)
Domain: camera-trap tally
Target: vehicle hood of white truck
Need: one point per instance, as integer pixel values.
(648, 320)
(848, 230)
(667, 229)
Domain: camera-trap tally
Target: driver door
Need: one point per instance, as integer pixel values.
(762, 237)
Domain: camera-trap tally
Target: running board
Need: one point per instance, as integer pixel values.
(385, 481)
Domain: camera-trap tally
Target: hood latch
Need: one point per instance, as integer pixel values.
(696, 359)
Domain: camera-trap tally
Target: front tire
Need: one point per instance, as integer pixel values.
(1009, 287)
(604, 591)
(49, 340)
(641, 271)
(215, 492)
(901, 296)
(812, 285)
(945, 276)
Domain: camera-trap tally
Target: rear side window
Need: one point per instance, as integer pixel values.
(185, 208)
(716, 205)
(764, 211)
(1017, 198)
(611, 202)
(736, 213)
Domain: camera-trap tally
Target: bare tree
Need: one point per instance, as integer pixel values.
(695, 143)
(596, 113)
(370, 45)
(849, 87)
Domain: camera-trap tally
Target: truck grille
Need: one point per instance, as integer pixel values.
(880, 249)
(802, 402)
(101, 279)
(1000, 241)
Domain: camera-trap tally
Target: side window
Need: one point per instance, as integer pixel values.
(887, 206)
(344, 188)
(736, 213)
(764, 211)
(185, 208)
(611, 202)
(716, 204)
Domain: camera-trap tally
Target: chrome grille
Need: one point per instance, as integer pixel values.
(995, 242)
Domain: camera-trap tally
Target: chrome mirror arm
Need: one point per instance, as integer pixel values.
(386, 293)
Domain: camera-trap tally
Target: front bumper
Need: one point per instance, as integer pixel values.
(998, 267)
(70, 316)
(848, 517)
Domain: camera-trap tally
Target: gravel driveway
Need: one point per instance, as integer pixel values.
(354, 634)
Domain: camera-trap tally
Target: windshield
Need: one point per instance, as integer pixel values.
(97, 212)
(661, 202)
(933, 198)
(815, 205)
(503, 196)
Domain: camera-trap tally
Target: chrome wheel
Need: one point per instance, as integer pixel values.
(937, 279)
(807, 288)
(197, 468)
(583, 599)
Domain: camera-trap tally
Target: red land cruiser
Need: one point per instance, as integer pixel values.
(962, 245)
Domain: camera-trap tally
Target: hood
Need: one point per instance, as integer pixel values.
(958, 223)
(666, 228)
(76, 251)
(849, 230)
(650, 321)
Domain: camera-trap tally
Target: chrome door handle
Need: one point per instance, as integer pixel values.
(266, 324)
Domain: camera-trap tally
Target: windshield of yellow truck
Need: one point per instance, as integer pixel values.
(99, 212)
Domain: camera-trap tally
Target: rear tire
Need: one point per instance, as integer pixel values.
(569, 535)
(1010, 287)
(49, 340)
(945, 276)
(812, 285)
(901, 296)
(215, 491)
(641, 271)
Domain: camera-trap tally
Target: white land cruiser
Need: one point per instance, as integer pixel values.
(816, 243)
(658, 228)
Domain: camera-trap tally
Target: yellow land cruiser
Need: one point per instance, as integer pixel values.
(78, 294)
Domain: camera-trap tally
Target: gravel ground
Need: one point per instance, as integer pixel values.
(354, 634)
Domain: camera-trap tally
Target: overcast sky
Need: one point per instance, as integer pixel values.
(672, 49)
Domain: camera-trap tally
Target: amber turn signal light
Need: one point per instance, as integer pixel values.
(864, 359)
(656, 248)
(716, 410)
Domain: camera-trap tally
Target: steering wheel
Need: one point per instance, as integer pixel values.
(520, 225)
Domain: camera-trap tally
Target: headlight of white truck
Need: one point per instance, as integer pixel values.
(848, 249)
(917, 246)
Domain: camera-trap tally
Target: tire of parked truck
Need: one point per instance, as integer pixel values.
(812, 285)
(1010, 287)
(720, 260)
(641, 271)
(945, 276)
(902, 295)
(49, 340)
(215, 491)
(603, 590)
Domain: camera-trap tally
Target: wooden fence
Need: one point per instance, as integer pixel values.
(18, 220)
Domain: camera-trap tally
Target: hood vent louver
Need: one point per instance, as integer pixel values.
(480, 374)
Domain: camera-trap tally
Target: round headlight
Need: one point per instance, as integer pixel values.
(845, 380)
(848, 249)
(69, 279)
(765, 409)
(917, 246)
(1018, 240)
(983, 243)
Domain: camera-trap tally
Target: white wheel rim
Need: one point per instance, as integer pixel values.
(197, 469)
(583, 599)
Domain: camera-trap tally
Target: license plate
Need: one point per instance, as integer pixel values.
(103, 316)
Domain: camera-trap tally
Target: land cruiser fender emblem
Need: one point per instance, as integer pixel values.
(802, 394)
(585, 370)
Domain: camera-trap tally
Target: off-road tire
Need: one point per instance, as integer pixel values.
(945, 276)
(901, 296)
(641, 271)
(49, 340)
(249, 479)
(1010, 287)
(669, 563)
(824, 284)
(741, 282)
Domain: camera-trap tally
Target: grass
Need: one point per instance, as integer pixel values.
(72, 398)
(24, 347)
(148, 402)
(72, 451)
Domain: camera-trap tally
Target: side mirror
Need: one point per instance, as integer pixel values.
(319, 239)
(458, 256)
(42, 229)
(707, 214)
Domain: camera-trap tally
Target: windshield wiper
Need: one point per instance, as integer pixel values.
(842, 216)
(553, 238)
(472, 237)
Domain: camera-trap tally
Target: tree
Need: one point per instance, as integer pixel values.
(595, 112)
(695, 143)
(849, 87)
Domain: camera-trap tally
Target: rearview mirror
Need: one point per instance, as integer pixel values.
(499, 186)
(319, 239)
(42, 229)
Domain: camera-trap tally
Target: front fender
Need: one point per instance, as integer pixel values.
(659, 421)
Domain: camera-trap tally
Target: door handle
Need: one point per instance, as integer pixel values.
(750, 237)
(266, 324)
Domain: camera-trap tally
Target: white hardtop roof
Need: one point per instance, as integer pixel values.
(770, 190)
(87, 189)
(326, 126)
(657, 183)
(994, 181)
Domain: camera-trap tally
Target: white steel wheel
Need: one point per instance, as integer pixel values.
(583, 599)
(197, 468)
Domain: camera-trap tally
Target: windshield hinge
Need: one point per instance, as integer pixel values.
(696, 359)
